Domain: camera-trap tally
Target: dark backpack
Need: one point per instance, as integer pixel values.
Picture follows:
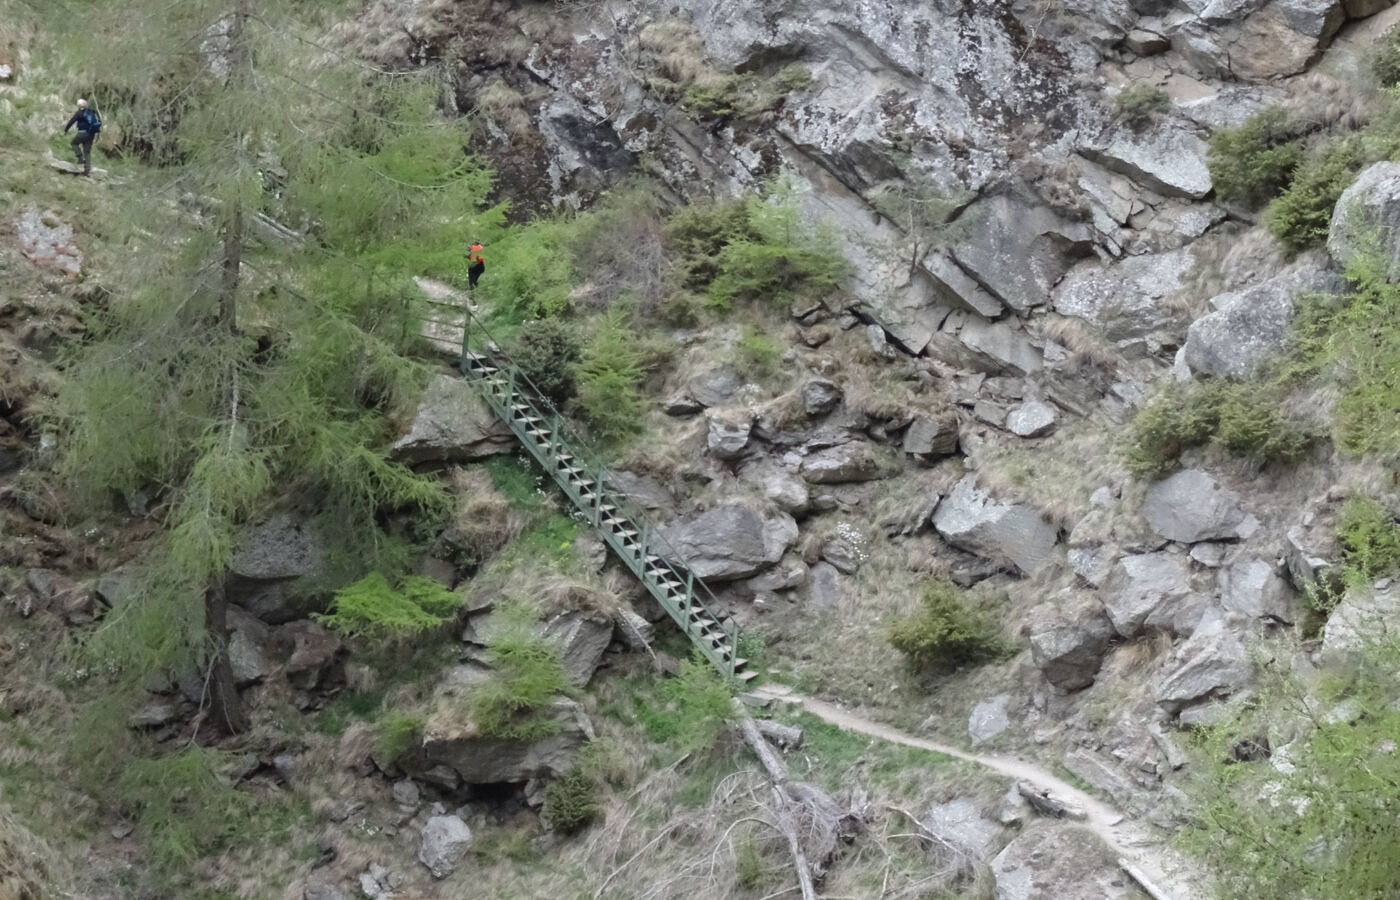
(92, 121)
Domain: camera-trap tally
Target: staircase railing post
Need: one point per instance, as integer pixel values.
(466, 327)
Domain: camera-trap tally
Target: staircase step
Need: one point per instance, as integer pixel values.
(745, 676)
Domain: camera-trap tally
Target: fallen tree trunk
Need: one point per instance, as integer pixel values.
(787, 737)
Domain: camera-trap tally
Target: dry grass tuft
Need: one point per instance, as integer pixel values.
(677, 50)
(505, 106)
(1086, 345)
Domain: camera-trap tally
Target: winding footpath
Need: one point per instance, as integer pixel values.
(1160, 871)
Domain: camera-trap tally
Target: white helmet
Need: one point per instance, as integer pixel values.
(82, 103)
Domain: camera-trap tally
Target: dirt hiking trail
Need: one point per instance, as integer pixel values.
(1165, 870)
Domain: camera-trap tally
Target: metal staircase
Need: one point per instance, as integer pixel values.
(546, 435)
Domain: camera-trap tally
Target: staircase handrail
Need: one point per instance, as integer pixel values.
(584, 452)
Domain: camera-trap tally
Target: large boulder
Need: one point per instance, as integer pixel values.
(1363, 617)
(1249, 326)
(843, 463)
(453, 425)
(960, 824)
(1260, 40)
(1068, 643)
(1165, 158)
(307, 651)
(932, 435)
(581, 636)
(1125, 300)
(1145, 586)
(275, 567)
(1002, 346)
(970, 519)
(1017, 250)
(1033, 418)
(729, 433)
(1213, 663)
(1050, 861)
(1252, 588)
(730, 541)
(1192, 506)
(451, 737)
(444, 846)
(1367, 217)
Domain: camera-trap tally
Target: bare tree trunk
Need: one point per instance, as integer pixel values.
(232, 266)
(226, 709)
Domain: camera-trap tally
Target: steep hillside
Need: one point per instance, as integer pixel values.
(1018, 376)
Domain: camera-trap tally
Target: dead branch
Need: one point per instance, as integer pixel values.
(787, 737)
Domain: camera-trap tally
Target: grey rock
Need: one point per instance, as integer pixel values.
(786, 491)
(729, 434)
(1007, 348)
(988, 719)
(1211, 664)
(1192, 506)
(1017, 249)
(445, 842)
(306, 650)
(714, 387)
(453, 739)
(1069, 645)
(1138, 586)
(640, 490)
(790, 572)
(1047, 862)
(246, 640)
(682, 404)
(1031, 419)
(970, 519)
(1249, 326)
(272, 563)
(1362, 618)
(453, 424)
(729, 542)
(843, 463)
(932, 436)
(961, 823)
(287, 766)
(845, 552)
(1208, 553)
(581, 636)
(875, 334)
(1252, 588)
(1308, 553)
(378, 883)
(405, 793)
(824, 587)
(153, 714)
(1164, 157)
(1108, 778)
(820, 397)
(117, 588)
(634, 631)
(1124, 300)
(1367, 217)
(1146, 43)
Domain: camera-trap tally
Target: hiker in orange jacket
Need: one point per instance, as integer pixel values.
(476, 264)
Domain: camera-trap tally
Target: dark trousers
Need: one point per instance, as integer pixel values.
(82, 148)
(474, 272)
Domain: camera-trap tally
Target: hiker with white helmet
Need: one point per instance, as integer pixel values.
(89, 124)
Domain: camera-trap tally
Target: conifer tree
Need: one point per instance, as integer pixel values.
(261, 338)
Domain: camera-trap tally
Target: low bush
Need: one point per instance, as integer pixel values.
(793, 79)
(1255, 161)
(371, 607)
(1242, 418)
(1369, 535)
(943, 632)
(760, 356)
(1385, 60)
(546, 351)
(1300, 216)
(778, 257)
(609, 375)
(527, 675)
(1141, 104)
(571, 802)
(695, 705)
(722, 97)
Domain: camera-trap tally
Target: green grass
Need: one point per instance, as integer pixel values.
(838, 756)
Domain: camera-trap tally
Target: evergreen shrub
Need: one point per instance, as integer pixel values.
(1301, 215)
(546, 350)
(1255, 160)
(372, 607)
(395, 734)
(571, 802)
(943, 632)
(609, 375)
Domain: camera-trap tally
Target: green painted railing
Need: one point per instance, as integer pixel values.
(638, 542)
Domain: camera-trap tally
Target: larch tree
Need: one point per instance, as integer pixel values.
(262, 337)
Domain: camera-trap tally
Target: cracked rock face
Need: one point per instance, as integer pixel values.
(969, 518)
